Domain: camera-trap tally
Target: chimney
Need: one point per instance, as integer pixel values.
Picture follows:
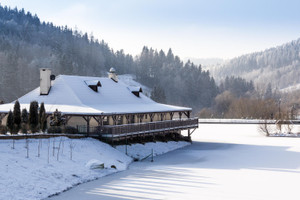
(45, 82)
(112, 74)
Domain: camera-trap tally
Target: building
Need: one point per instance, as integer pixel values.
(104, 106)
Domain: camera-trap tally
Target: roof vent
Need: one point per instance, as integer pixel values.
(112, 74)
(136, 90)
(93, 84)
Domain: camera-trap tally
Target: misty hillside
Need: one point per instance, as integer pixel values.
(27, 44)
(279, 66)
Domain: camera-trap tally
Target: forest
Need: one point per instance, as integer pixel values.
(278, 66)
(27, 44)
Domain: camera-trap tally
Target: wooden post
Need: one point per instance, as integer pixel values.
(162, 116)
(141, 117)
(127, 118)
(115, 119)
(67, 117)
(151, 116)
(87, 119)
(171, 115)
(180, 115)
(99, 119)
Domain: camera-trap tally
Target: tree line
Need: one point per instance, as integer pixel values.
(278, 66)
(27, 44)
(23, 121)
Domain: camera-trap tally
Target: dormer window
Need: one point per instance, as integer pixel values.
(135, 90)
(93, 84)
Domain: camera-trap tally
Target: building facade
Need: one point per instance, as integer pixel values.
(104, 106)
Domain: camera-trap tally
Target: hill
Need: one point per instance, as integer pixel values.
(27, 44)
(278, 66)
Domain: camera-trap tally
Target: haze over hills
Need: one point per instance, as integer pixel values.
(206, 62)
(278, 66)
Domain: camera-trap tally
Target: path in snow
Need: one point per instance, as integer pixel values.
(224, 162)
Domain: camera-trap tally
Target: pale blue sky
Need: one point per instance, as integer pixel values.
(200, 29)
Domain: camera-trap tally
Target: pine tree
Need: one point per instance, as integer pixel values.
(17, 117)
(158, 95)
(10, 122)
(33, 116)
(24, 121)
(43, 118)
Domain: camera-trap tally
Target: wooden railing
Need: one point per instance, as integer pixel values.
(148, 127)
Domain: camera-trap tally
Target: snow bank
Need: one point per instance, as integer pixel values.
(35, 178)
(140, 151)
(71, 162)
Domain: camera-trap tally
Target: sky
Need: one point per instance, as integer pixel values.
(191, 28)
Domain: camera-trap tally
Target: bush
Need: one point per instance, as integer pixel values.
(70, 130)
(54, 129)
(3, 129)
(33, 117)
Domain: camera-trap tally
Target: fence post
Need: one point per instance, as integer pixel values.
(152, 156)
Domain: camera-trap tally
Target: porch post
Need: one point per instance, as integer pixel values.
(151, 116)
(87, 119)
(171, 115)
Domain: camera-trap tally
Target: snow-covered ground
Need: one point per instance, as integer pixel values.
(36, 177)
(228, 162)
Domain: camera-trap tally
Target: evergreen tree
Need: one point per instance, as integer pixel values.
(158, 95)
(268, 92)
(17, 117)
(10, 122)
(33, 116)
(43, 118)
(24, 121)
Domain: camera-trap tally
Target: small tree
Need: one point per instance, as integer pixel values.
(10, 121)
(42, 118)
(57, 119)
(33, 116)
(24, 121)
(17, 117)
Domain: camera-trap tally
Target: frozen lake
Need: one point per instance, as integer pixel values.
(224, 162)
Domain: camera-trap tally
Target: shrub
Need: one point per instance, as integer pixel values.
(54, 129)
(33, 116)
(70, 130)
(24, 121)
(10, 121)
(17, 117)
(43, 118)
(3, 129)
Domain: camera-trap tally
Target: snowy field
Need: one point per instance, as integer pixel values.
(46, 170)
(227, 162)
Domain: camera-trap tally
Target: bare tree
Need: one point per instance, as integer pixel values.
(27, 148)
(265, 128)
(72, 146)
(48, 150)
(58, 148)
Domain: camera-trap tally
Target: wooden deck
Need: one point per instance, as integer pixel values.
(109, 131)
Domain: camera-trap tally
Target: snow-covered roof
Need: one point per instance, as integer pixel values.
(72, 95)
